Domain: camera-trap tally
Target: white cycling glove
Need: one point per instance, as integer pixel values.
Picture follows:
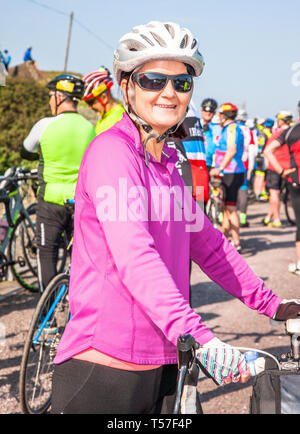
(220, 361)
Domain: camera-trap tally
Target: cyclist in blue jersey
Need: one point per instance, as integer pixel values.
(229, 165)
(211, 131)
(248, 160)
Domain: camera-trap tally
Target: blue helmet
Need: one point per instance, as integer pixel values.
(268, 123)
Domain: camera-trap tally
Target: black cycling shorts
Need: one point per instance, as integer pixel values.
(231, 183)
(81, 387)
(273, 180)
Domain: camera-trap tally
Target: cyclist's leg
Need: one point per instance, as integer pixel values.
(225, 216)
(242, 205)
(295, 197)
(51, 221)
(233, 182)
(274, 185)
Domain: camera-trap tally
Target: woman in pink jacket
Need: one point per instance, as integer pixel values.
(136, 228)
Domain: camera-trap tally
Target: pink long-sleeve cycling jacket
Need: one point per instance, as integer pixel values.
(135, 229)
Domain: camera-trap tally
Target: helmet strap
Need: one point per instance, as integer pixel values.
(104, 103)
(129, 107)
(58, 104)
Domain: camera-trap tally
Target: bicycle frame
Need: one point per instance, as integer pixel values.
(49, 313)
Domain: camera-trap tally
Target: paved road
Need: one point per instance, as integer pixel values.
(268, 251)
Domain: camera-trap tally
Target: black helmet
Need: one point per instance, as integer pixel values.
(70, 85)
(209, 105)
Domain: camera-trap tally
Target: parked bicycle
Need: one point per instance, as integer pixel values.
(288, 208)
(47, 326)
(17, 228)
(214, 206)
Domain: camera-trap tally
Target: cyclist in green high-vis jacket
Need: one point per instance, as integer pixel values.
(97, 94)
(59, 142)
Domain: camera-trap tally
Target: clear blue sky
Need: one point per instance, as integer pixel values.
(249, 46)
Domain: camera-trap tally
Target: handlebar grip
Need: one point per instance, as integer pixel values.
(186, 346)
(186, 343)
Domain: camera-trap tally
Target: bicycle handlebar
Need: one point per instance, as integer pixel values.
(20, 174)
(186, 347)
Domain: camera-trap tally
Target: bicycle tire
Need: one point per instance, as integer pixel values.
(22, 267)
(213, 212)
(35, 382)
(288, 208)
(28, 242)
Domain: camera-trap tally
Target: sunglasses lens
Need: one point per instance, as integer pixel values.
(90, 102)
(183, 83)
(151, 81)
(156, 82)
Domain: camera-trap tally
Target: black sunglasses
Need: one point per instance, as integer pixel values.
(91, 102)
(155, 82)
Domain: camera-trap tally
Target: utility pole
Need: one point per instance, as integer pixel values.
(68, 41)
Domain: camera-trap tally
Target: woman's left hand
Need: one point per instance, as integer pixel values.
(215, 171)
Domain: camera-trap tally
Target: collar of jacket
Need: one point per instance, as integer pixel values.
(169, 155)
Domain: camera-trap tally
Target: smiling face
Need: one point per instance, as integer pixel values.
(207, 116)
(160, 109)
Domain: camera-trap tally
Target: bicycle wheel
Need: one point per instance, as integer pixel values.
(288, 208)
(213, 212)
(22, 251)
(47, 326)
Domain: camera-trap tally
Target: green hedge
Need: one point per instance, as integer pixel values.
(22, 104)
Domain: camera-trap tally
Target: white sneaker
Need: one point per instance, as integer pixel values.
(294, 268)
(238, 247)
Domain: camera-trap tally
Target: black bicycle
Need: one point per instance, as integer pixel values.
(17, 227)
(214, 206)
(288, 207)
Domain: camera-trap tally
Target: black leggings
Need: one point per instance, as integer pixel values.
(295, 197)
(81, 387)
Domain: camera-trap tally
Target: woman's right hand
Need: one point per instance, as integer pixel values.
(223, 363)
(287, 172)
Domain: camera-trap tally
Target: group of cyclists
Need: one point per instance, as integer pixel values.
(129, 280)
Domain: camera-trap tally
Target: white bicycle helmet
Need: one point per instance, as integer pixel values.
(154, 41)
(242, 115)
(285, 115)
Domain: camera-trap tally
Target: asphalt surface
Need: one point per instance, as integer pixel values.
(268, 252)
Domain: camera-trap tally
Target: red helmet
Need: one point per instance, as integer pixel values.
(228, 107)
(96, 82)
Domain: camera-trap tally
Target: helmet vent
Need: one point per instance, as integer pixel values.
(132, 45)
(184, 42)
(159, 39)
(170, 30)
(194, 43)
(148, 40)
